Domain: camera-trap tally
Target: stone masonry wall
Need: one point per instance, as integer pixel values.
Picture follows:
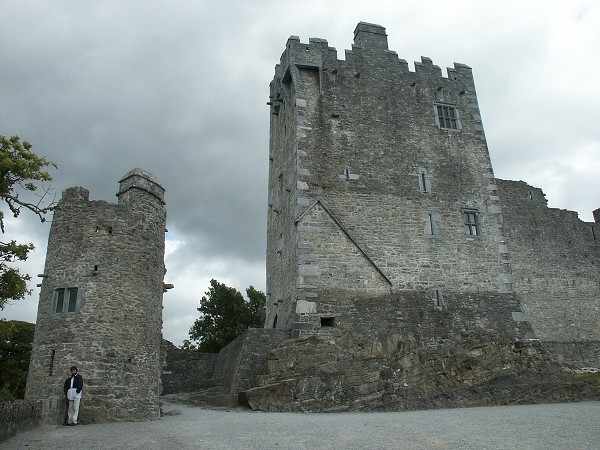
(22, 415)
(320, 373)
(556, 265)
(393, 352)
(367, 192)
(186, 371)
(242, 360)
(109, 257)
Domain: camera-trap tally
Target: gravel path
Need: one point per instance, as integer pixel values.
(549, 426)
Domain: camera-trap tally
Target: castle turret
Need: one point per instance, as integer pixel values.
(100, 305)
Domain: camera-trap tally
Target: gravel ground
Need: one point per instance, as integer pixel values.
(548, 426)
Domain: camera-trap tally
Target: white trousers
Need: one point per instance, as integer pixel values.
(73, 410)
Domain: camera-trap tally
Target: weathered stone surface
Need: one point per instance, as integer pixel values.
(186, 371)
(21, 415)
(349, 377)
(556, 266)
(424, 273)
(113, 254)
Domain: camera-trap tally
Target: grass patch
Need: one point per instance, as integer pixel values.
(588, 376)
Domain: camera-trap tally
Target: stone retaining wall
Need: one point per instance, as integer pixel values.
(186, 371)
(575, 355)
(21, 415)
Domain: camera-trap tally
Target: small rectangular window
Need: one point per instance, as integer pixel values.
(72, 300)
(280, 185)
(471, 219)
(438, 299)
(51, 365)
(327, 321)
(447, 117)
(424, 181)
(429, 229)
(430, 222)
(59, 300)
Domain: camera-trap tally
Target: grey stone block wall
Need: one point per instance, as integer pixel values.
(21, 415)
(241, 362)
(186, 371)
(113, 254)
(556, 265)
(366, 192)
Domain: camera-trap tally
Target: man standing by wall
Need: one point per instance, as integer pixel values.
(73, 386)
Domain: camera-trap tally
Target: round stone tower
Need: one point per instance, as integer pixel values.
(100, 305)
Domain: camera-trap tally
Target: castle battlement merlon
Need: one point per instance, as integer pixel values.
(75, 194)
(370, 42)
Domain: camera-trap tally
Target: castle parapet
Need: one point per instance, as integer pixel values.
(75, 194)
(370, 42)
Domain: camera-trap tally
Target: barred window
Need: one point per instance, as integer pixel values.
(471, 219)
(447, 117)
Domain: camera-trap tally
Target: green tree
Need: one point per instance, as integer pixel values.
(16, 338)
(225, 315)
(20, 168)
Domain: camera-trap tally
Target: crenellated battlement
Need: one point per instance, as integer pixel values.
(370, 45)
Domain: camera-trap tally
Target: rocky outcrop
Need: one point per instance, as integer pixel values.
(325, 374)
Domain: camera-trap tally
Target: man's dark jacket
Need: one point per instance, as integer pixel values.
(77, 383)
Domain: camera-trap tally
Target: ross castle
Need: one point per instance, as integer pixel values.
(381, 184)
(400, 272)
(417, 277)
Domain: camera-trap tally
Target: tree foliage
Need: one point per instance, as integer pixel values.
(20, 169)
(225, 315)
(16, 338)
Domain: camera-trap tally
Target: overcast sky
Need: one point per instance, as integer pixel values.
(179, 88)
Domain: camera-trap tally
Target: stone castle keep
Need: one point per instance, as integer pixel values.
(401, 273)
(381, 191)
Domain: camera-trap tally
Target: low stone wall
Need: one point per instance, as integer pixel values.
(574, 355)
(257, 344)
(21, 415)
(244, 359)
(186, 371)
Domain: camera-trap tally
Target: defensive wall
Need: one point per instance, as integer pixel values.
(21, 415)
(556, 270)
(556, 264)
(217, 378)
